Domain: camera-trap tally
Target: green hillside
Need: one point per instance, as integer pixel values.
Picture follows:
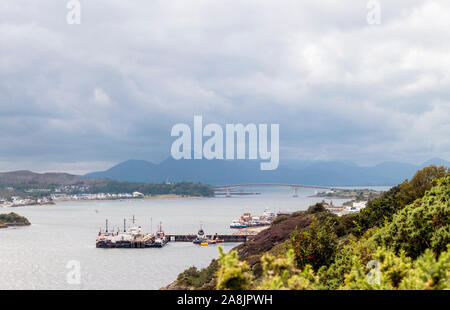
(401, 240)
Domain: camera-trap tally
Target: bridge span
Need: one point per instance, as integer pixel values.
(294, 187)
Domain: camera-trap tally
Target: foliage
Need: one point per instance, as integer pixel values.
(346, 224)
(281, 273)
(316, 246)
(233, 274)
(401, 240)
(332, 277)
(317, 208)
(12, 218)
(429, 273)
(421, 225)
(192, 278)
(383, 208)
(384, 271)
(180, 188)
(401, 272)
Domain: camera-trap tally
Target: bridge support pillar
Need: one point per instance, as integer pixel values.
(228, 193)
(295, 195)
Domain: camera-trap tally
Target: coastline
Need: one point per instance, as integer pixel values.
(168, 196)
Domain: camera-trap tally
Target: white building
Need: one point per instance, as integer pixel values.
(355, 208)
(138, 194)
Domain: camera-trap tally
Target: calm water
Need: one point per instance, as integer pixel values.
(36, 257)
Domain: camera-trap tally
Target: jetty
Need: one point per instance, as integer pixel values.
(223, 238)
(134, 237)
(149, 240)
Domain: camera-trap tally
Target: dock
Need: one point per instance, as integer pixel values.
(224, 238)
(148, 240)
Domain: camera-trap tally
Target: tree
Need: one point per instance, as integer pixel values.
(316, 246)
(381, 209)
(422, 224)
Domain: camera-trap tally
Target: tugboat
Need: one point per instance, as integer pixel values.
(160, 238)
(202, 239)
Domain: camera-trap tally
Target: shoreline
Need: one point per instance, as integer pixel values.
(169, 196)
(333, 197)
(165, 196)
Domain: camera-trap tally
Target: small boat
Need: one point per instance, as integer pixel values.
(203, 240)
(269, 215)
(238, 225)
(201, 237)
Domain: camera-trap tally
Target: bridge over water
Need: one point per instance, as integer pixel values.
(228, 188)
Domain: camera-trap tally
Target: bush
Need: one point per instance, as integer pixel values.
(347, 224)
(316, 246)
(391, 271)
(192, 278)
(381, 209)
(233, 274)
(12, 218)
(317, 208)
(422, 224)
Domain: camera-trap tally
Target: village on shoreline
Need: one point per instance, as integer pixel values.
(17, 201)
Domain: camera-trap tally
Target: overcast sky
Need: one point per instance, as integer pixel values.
(79, 98)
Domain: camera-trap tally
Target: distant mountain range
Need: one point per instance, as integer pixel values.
(221, 172)
(21, 177)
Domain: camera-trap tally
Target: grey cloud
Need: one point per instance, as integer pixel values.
(111, 88)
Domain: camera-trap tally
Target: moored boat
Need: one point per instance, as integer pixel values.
(160, 239)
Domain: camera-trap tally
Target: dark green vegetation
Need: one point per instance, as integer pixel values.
(359, 194)
(27, 184)
(181, 188)
(400, 241)
(12, 219)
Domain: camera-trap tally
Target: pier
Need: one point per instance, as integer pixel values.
(223, 238)
(148, 240)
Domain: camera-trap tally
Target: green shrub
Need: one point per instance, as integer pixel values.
(233, 274)
(421, 225)
(317, 208)
(381, 209)
(316, 246)
(192, 278)
(12, 218)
